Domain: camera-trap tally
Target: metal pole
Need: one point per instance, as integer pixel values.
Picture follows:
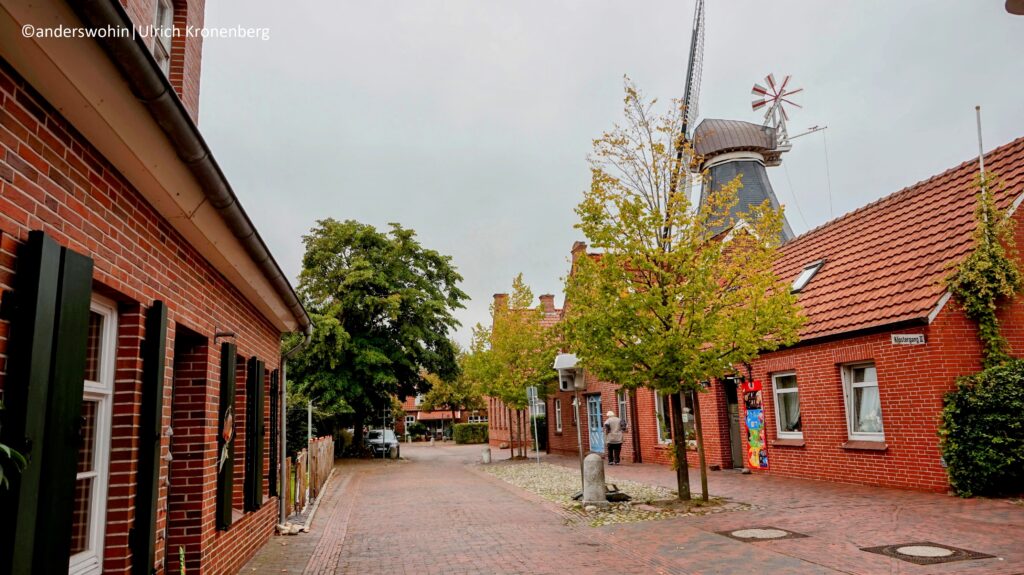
(981, 148)
(309, 435)
(579, 435)
(536, 437)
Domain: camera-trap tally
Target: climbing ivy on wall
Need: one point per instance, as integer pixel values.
(989, 275)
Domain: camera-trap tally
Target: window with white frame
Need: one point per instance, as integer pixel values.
(661, 410)
(558, 415)
(542, 408)
(622, 399)
(163, 34)
(409, 420)
(90, 509)
(863, 404)
(787, 406)
(419, 400)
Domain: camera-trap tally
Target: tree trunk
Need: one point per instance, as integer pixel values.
(511, 434)
(519, 430)
(676, 400)
(453, 424)
(634, 418)
(357, 432)
(700, 446)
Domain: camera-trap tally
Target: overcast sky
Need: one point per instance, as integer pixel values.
(469, 121)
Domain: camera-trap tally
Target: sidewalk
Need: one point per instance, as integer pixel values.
(841, 519)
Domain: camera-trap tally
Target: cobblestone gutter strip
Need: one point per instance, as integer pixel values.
(558, 484)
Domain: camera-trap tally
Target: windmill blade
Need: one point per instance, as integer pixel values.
(758, 104)
(770, 78)
(759, 90)
(691, 94)
(785, 116)
(791, 102)
(791, 92)
(782, 87)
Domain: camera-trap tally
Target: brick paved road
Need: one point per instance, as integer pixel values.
(436, 514)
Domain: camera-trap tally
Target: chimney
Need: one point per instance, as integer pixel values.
(500, 301)
(578, 249)
(547, 301)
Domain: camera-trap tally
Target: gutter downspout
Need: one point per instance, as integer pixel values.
(154, 90)
(284, 423)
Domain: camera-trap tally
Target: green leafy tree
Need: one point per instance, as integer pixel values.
(988, 276)
(671, 300)
(516, 352)
(451, 395)
(382, 305)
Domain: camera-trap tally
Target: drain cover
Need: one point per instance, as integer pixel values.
(760, 534)
(926, 553)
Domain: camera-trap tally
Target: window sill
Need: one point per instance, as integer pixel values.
(558, 434)
(862, 445)
(788, 442)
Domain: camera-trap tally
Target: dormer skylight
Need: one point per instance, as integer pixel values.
(805, 276)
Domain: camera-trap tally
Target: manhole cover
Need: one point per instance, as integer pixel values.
(759, 533)
(926, 553)
(749, 534)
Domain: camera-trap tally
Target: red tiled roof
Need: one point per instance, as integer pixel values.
(885, 263)
(434, 415)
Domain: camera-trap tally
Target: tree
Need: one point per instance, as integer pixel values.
(451, 395)
(517, 352)
(382, 305)
(669, 302)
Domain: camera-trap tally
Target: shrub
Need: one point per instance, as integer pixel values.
(983, 433)
(470, 433)
(343, 443)
(416, 428)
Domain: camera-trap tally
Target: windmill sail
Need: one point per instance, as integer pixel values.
(691, 94)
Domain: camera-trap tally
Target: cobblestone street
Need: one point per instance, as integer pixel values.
(435, 512)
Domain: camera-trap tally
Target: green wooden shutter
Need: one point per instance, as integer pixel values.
(154, 352)
(275, 430)
(226, 436)
(254, 435)
(31, 309)
(46, 372)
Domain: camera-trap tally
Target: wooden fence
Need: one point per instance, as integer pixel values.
(308, 473)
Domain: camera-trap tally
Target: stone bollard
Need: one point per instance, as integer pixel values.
(594, 491)
(487, 455)
(431, 440)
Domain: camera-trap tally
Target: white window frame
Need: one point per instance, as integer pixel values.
(162, 38)
(409, 420)
(558, 415)
(622, 401)
(848, 399)
(778, 405)
(90, 560)
(419, 400)
(806, 275)
(658, 415)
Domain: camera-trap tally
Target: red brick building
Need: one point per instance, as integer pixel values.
(437, 421)
(501, 430)
(859, 397)
(142, 313)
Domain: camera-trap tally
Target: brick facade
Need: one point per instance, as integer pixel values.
(52, 179)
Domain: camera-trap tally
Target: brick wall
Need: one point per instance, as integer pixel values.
(912, 381)
(51, 179)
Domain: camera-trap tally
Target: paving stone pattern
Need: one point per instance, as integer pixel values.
(437, 512)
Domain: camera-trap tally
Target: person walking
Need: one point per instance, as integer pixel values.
(613, 432)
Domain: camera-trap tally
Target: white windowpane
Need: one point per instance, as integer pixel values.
(93, 347)
(867, 410)
(87, 450)
(785, 382)
(661, 412)
(789, 412)
(80, 521)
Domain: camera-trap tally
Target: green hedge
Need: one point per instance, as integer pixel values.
(982, 432)
(470, 433)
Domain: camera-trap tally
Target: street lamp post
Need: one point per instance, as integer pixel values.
(571, 378)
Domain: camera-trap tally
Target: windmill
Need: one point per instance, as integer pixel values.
(730, 149)
(774, 98)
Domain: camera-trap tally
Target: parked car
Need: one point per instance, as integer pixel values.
(383, 443)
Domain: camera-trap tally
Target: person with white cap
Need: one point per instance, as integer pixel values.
(613, 432)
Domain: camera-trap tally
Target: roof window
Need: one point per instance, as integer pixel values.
(805, 276)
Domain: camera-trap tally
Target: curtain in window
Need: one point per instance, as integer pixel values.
(790, 405)
(869, 410)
